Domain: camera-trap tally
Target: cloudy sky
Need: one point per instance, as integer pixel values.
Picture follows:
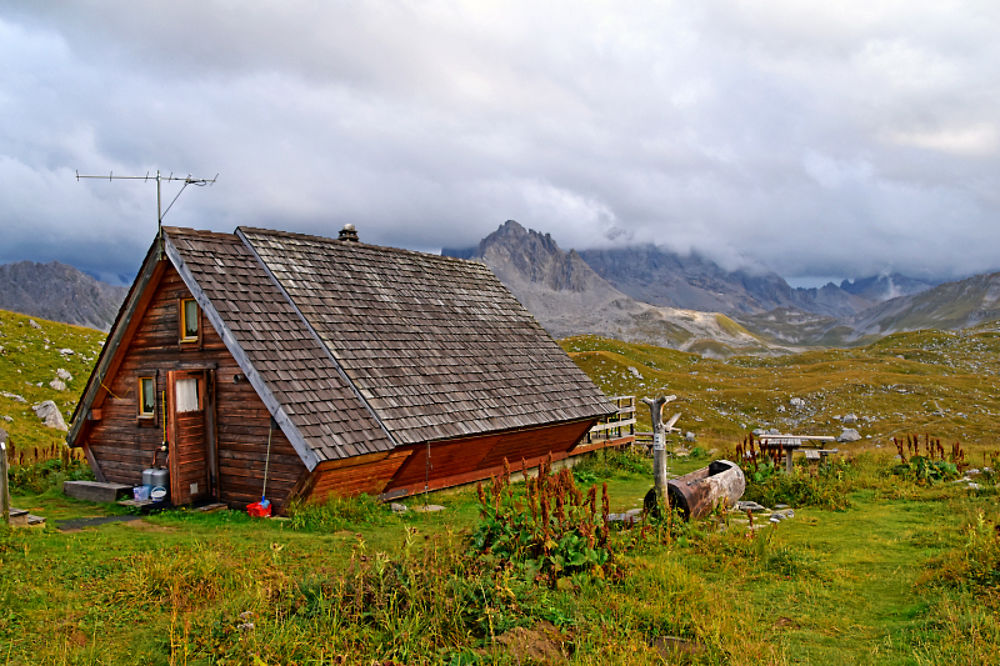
(812, 138)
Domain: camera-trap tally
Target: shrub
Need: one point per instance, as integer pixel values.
(609, 463)
(930, 466)
(768, 484)
(828, 489)
(48, 475)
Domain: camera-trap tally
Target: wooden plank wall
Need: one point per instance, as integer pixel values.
(123, 445)
(453, 462)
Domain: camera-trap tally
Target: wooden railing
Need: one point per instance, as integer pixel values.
(619, 425)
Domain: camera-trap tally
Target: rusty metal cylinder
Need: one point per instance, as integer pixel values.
(700, 491)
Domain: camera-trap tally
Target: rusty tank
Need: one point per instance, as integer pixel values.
(700, 491)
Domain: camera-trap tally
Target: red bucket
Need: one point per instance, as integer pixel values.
(261, 509)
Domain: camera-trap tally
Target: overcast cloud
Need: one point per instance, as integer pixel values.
(812, 138)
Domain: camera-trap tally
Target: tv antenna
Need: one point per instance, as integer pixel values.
(159, 178)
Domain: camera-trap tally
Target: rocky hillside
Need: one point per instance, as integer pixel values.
(59, 292)
(569, 298)
(42, 362)
(916, 382)
(948, 307)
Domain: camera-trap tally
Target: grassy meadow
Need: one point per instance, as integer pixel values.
(879, 564)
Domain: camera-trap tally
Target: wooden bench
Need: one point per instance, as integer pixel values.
(819, 455)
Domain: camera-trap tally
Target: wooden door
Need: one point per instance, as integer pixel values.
(191, 437)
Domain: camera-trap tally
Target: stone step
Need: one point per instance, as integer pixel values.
(21, 518)
(96, 491)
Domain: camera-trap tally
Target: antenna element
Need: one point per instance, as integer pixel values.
(159, 178)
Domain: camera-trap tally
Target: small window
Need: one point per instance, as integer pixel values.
(189, 320)
(147, 397)
(187, 395)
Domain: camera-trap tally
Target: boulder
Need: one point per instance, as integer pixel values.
(50, 415)
(635, 372)
(797, 403)
(58, 384)
(64, 374)
(849, 435)
(33, 324)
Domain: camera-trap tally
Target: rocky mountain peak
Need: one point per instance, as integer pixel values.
(519, 254)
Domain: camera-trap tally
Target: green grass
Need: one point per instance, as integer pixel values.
(901, 573)
(885, 581)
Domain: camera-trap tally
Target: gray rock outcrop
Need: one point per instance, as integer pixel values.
(50, 415)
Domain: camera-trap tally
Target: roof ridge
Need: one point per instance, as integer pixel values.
(357, 245)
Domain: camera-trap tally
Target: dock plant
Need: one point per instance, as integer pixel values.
(550, 529)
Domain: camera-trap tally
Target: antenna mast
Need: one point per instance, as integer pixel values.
(159, 178)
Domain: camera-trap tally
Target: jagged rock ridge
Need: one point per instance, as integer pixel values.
(648, 294)
(660, 277)
(59, 292)
(568, 297)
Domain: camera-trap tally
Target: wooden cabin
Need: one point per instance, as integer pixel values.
(336, 366)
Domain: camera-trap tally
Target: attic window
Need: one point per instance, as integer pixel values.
(189, 320)
(147, 398)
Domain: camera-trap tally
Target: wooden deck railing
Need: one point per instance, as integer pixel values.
(619, 425)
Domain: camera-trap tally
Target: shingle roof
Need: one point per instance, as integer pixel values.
(289, 362)
(364, 347)
(437, 346)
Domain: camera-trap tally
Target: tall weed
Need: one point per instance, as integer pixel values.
(48, 475)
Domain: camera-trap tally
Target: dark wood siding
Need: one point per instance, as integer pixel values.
(468, 459)
(353, 476)
(453, 462)
(123, 445)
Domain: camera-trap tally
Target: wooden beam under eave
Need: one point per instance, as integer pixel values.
(96, 468)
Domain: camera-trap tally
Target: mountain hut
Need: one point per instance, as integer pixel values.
(336, 366)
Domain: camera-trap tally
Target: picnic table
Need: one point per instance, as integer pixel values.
(812, 445)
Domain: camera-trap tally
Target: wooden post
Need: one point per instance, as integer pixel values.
(659, 449)
(4, 491)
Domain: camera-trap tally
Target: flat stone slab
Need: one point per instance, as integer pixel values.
(96, 491)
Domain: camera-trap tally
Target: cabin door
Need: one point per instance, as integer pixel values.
(192, 436)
